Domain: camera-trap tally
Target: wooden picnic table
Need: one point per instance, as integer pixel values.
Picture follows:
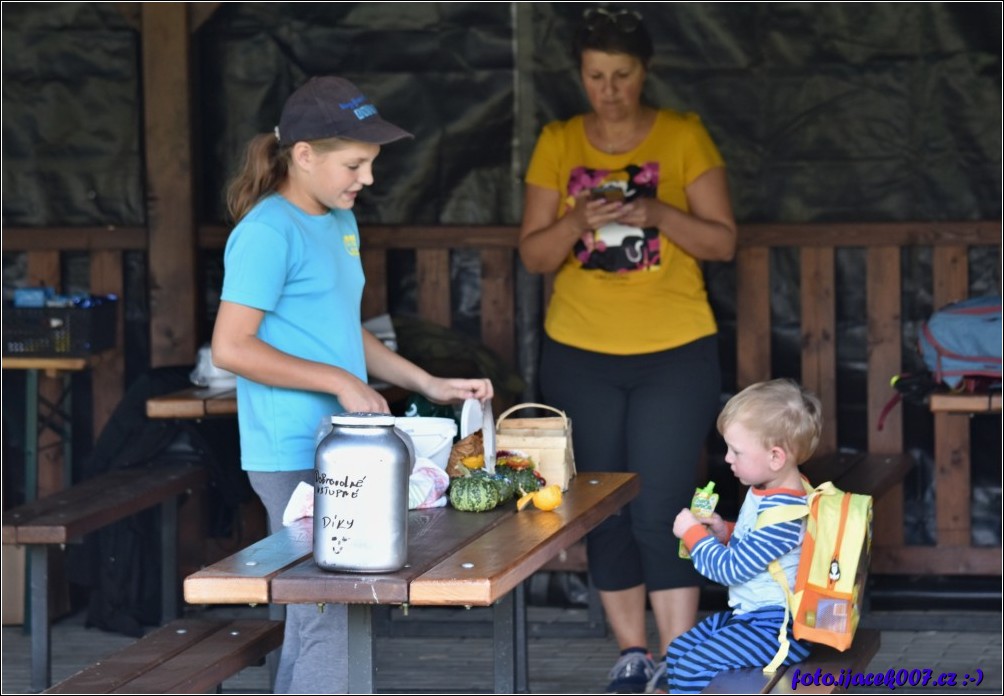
(454, 559)
(56, 416)
(194, 403)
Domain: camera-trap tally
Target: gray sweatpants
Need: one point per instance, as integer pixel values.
(314, 658)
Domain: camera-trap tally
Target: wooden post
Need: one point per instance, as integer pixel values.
(885, 350)
(108, 376)
(952, 480)
(44, 269)
(167, 108)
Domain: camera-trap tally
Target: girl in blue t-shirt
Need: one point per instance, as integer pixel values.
(289, 323)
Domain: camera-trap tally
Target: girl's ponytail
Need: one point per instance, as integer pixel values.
(265, 167)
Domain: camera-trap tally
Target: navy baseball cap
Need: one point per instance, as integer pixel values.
(333, 107)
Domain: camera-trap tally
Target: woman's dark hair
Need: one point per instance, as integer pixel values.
(612, 31)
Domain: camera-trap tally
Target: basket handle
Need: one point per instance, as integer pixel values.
(520, 407)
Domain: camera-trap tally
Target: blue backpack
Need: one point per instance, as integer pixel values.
(961, 342)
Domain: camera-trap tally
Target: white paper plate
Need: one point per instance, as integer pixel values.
(470, 417)
(488, 429)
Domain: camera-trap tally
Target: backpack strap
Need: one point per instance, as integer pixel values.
(777, 572)
(776, 515)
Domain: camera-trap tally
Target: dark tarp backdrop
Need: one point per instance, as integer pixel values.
(71, 116)
(823, 111)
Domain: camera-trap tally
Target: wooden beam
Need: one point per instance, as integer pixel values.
(108, 377)
(819, 336)
(73, 238)
(865, 234)
(885, 350)
(952, 460)
(973, 233)
(752, 316)
(440, 236)
(936, 560)
(44, 269)
(968, 404)
(432, 271)
(167, 109)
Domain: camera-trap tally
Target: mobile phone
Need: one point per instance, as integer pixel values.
(609, 194)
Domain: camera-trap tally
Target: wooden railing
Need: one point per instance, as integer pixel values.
(816, 245)
(818, 292)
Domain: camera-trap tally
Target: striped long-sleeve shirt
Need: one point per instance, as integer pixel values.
(742, 562)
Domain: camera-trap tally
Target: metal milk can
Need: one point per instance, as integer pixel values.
(361, 471)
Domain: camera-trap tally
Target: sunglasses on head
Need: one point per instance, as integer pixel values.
(624, 21)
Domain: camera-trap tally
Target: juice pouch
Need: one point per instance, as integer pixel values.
(702, 505)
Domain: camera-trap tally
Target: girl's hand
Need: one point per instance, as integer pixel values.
(445, 390)
(359, 397)
(684, 521)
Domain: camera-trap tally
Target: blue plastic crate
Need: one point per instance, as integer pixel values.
(60, 331)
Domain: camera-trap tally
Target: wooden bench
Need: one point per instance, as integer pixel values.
(753, 681)
(186, 656)
(86, 507)
(967, 404)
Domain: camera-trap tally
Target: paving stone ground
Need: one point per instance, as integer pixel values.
(941, 641)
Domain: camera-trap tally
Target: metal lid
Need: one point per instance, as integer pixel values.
(358, 418)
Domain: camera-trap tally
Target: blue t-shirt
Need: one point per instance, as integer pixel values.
(305, 273)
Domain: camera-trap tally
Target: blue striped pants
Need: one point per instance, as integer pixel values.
(725, 641)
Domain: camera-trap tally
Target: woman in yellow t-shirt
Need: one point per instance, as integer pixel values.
(624, 203)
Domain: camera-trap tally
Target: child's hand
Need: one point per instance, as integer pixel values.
(716, 525)
(684, 521)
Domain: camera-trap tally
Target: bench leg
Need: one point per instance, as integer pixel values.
(168, 560)
(360, 649)
(41, 643)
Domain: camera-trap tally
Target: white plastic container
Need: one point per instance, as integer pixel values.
(432, 438)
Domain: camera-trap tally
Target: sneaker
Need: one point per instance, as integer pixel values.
(631, 673)
(657, 684)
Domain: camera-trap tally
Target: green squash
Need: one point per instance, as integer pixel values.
(505, 485)
(473, 494)
(524, 479)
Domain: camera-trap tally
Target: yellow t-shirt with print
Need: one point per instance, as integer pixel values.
(624, 290)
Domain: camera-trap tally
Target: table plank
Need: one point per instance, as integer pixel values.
(244, 577)
(483, 571)
(432, 536)
(53, 365)
(966, 403)
(194, 403)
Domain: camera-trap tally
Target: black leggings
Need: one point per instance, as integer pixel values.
(648, 414)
